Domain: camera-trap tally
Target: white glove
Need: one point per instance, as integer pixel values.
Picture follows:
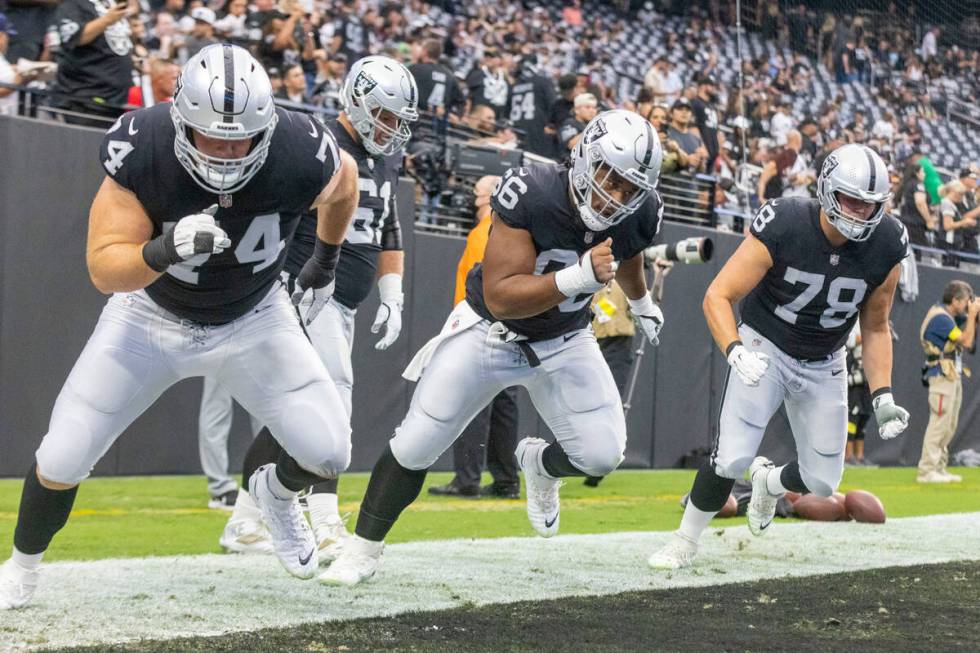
(198, 234)
(892, 419)
(193, 235)
(649, 316)
(749, 365)
(389, 314)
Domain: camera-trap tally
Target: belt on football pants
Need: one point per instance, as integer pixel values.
(500, 331)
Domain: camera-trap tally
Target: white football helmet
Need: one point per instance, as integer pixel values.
(616, 142)
(856, 171)
(223, 92)
(375, 85)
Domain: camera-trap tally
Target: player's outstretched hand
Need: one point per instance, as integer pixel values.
(389, 314)
(648, 316)
(892, 419)
(590, 273)
(193, 235)
(316, 281)
(602, 261)
(749, 365)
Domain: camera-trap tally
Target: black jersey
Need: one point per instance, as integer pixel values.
(536, 198)
(531, 100)
(101, 68)
(138, 153)
(809, 299)
(438, 87)
(374, 227)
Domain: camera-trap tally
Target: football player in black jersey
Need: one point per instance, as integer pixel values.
(189, 230)
(380, 102)
(808, 270)
(557, 234)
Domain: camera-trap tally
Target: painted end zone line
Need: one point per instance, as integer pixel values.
(107, 601)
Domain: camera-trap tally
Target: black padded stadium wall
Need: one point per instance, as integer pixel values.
(48, 308)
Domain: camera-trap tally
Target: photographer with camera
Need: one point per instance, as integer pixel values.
(947, 331)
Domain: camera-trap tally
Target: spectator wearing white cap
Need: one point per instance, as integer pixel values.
(584, 109)
(202, 34)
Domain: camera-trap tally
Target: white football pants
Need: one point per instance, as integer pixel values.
(138, 350)
(572, 389)
(815, 395)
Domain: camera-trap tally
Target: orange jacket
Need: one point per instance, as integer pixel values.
(476, 244)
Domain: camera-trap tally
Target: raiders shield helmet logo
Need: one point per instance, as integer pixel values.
(830, 164)
(598, 131)
(363, 84)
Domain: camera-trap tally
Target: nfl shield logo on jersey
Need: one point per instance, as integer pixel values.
(834, 259)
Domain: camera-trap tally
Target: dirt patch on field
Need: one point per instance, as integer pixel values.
(914, 609)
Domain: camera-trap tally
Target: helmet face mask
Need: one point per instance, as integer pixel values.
(615, 167)
(853, 188)
(223, 94)
(376, 90)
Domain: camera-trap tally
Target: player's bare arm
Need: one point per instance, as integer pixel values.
(512, 289)
(740, 274)
(634, 284)
(118, 227)
(876, 337)
(391, 261)
(630, 277)
(336, 203)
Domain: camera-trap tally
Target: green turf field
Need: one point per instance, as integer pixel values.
(167, 515)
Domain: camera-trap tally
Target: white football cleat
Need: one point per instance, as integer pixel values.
(678, 553)
(762, 506)
(543, 509)
(357, 562)
(292, 537)
(17, 584)
(245, 532)
(330, 533)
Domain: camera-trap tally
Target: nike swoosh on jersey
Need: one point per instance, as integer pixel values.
(305, 560)
(313, 132)
(836, 372)
(133, 132)
(570, 336)
(549, 524)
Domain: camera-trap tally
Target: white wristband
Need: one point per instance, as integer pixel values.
(642, 306)
(578, 279)
(390, 288)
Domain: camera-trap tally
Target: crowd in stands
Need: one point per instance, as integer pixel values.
(531, 74)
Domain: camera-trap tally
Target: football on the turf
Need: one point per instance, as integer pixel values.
(730, 507)
(839, 498)
(865, 507)
(817, 508)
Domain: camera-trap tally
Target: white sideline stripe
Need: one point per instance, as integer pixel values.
(107, 601)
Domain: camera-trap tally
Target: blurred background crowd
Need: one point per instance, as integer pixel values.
(747, 104)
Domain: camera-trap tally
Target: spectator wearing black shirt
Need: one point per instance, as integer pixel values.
(293, 85)
(706, 116)
(95, 70)
(531, 99)
(32, 18)
(568, 88)
(487, 83)
(914, 208)
(350, 36)
(439, 92)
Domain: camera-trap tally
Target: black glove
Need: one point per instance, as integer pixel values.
(315, 282)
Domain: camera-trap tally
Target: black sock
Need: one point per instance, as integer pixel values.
(555, 461)
(791, 479)
(292, 476)
(328, 486)
(391, 489)
(710, 491)
(263, 450)
(43, 513)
